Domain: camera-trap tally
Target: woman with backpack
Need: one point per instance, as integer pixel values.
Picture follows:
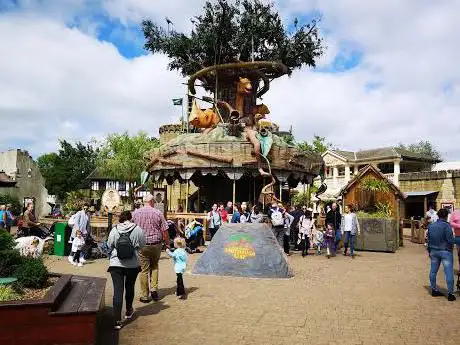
(125, 241)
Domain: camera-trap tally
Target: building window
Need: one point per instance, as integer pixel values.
(102, 185)
(122, 186)
(95, 185)
(341, 171)
(386, 168)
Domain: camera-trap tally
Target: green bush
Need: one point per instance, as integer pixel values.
(7, 293)
(6, 241)
(9, 261)
(9, 257)
(31, 273)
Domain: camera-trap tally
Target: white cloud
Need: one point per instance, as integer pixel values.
(53, 76)
(57, 82)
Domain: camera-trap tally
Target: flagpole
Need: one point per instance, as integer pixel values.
(186, 112)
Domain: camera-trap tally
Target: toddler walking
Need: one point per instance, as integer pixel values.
(330, 240)
(179, 255)
(318, 240)
(77, 245)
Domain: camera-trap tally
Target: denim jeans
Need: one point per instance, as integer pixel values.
(447, 259)
(349, 239)
(278, 231)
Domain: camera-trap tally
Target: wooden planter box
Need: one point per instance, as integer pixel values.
(66, 315)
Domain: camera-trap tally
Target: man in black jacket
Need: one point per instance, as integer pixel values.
(335, 218)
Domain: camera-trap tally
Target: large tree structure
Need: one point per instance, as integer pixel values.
(241, 31)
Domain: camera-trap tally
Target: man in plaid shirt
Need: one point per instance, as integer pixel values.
(155, 228)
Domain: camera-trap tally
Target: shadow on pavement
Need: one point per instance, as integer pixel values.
(105, 332)
(172, 291)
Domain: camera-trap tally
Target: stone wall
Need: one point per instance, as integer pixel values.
(447, 183)
(22, 168)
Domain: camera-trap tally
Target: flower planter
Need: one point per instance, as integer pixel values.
(66, 315)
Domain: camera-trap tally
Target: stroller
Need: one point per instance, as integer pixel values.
(41, 231)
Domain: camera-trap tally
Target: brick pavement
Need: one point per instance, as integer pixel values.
(377, 298)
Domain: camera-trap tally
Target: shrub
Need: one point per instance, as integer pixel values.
(7, 293)
(9, 261)
(6, 241)
(31, 273)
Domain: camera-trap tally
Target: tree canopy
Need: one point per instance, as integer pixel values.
(122, 156)
(318, 145)
(235, 32)
(66, 170)
(423, 147)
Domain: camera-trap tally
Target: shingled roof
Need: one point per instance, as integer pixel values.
(382, 153)
(6, 180)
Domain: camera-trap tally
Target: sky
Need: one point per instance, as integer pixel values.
(76, 70)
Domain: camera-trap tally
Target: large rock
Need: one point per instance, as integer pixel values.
(244, 250)
(377, 234)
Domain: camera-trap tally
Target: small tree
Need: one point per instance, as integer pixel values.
(318, 145)
(423, 147)
(122, 157)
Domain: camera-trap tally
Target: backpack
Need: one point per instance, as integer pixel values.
(72, 220)
(277, 218)
(124, 246)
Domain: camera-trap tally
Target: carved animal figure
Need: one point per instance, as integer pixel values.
(206, 119)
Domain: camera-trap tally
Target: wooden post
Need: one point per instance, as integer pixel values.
(281, 191)
(186, 197)
(425, 205)
(234, 191)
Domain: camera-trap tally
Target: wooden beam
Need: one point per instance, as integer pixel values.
(227, 160)
(169, 162)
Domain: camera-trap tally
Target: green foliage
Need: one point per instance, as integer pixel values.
(423, 147)
(318, 145)
(371, 184)
(31, 273)
(9, 257)
(304, 198)
(378, 214)
(384, 208)
(7, 293)
(6, 241)
(75, 200)
(67, 170)
(14, 201)
(122, 156)
(229, 32)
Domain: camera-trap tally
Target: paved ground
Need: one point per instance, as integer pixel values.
(375, 299)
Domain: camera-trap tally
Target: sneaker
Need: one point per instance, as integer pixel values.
(118, 326)
(436, 293)
(74, 263)
(80, 264)
(328, 256)
(129, 314)
(183, 297)
(144, 300)
(82, 260)
(451, 297)
(154, 295)
(70, 258)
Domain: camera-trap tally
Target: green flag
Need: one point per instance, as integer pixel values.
(177, 101)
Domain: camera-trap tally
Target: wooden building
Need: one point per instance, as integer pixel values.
(362, 199)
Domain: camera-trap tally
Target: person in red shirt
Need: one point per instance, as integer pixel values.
(223, 213)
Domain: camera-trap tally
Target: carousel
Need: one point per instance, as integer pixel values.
(230, 148)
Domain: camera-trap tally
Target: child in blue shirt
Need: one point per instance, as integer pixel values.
(179, 255)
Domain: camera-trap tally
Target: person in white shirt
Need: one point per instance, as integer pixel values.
(431, 215)
(350, 228)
